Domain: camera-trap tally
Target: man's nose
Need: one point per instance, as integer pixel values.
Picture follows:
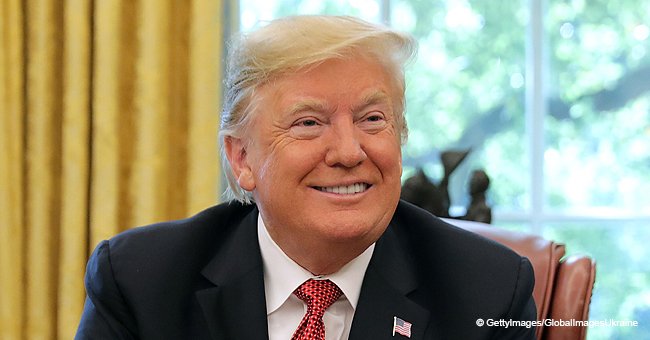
(345, 148)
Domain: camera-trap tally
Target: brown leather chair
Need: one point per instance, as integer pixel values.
(563, 285)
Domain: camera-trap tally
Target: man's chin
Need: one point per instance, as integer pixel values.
(352, 231)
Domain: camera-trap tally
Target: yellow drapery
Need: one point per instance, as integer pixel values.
(108, 120)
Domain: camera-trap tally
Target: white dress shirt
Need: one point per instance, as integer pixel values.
(282, 276)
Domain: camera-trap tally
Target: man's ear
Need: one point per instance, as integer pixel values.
(237, 156)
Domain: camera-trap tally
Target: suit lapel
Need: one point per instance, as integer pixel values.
(389, 280)
(234, 304)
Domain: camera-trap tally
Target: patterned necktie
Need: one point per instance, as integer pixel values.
(318, 295)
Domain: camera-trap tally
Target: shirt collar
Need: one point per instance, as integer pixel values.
(282, 275)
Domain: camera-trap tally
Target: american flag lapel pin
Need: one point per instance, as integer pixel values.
(401, 327)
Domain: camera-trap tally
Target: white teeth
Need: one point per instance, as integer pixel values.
(346, 190)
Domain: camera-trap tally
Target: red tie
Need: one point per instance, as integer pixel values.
(319, 295)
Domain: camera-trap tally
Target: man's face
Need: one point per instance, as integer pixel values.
(323, 155)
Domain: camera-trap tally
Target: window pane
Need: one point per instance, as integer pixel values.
(597, 153)
(523, 227)
(254, 11)
(622, 289)
(466, 90)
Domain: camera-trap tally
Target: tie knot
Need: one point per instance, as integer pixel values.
(318, 295)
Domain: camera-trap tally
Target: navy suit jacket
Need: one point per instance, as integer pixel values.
(202, 278)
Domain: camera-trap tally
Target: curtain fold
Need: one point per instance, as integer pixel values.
(43, 169)
(12, 169)
(108, 120)
(75, 154)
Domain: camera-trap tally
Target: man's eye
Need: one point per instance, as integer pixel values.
(308, 122)
(375, 118)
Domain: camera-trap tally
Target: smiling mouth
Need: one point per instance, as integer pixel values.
(345, 189)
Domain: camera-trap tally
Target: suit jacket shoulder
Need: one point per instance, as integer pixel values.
(454, 276)
(171, 280)
(152, 251)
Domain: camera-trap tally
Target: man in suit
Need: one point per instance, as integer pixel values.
(315, 243)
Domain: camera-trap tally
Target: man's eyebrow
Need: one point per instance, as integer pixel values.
(313, 105)
(306, 105)
(377, 97)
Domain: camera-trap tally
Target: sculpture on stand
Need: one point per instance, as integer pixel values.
(419, 190)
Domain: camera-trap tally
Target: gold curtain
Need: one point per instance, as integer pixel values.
(108, 120)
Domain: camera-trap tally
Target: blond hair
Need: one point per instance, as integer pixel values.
(295, 43)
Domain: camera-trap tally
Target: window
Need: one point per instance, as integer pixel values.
(553, 98)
